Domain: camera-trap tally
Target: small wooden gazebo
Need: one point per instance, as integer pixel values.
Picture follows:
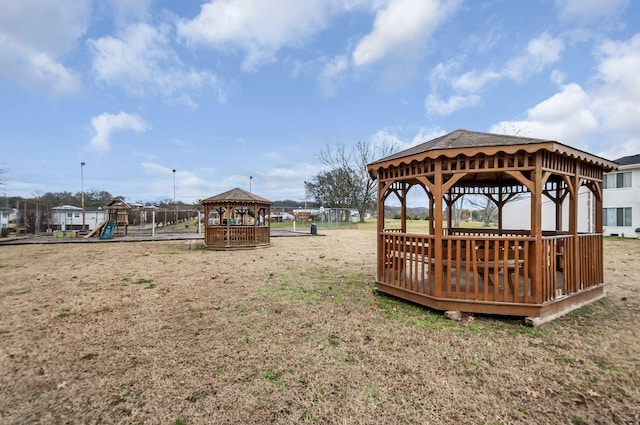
(236, 219)
(540, 273)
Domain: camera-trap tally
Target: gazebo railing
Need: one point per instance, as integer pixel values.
(477, 268)
(237, 236)
(561, 274)
(591, 260)
(491, 268)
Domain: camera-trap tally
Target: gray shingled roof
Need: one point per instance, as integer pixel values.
(237, 194)
(463, 139)
(628, 160)
(459, 139)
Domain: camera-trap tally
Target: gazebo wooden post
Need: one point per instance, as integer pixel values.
(437, 249)
(558, 203)
(449, 202)
(598, 222)
(227, 235)
(255, 224)
(573, 221)
(431, 213)
(206, 222)
(500, 204)
(557, 195)
(380, 236)
(403, 207)
(536, 230)
(599, 214)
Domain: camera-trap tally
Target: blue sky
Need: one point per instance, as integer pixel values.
(227, 89)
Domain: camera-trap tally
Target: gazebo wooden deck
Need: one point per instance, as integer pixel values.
(540, 273)
(236, 219)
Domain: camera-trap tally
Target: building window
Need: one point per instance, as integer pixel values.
(617, 180)
(77, 215)
(620, 217)
(70, 215)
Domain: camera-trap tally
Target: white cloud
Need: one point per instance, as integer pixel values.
(33, 37)
(52, 26)
(126, 10)
(435, 105)
(105, 124)
(274, 183)
(390, 138)
(272, 155)
(35, 69)
(443, 72)
(606, 111)
(474, 81)
(566, 117)
(189, 187)
(586, 11)
(385, 137)
(425, 134)
(331, 75)
(284, 182)
(401, 25)
(557, 77)
(141, 59)
(540, 52)
(617, 99)
(154, 168)
(260, 29)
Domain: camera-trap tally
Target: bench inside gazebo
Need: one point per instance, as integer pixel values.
(540, 273)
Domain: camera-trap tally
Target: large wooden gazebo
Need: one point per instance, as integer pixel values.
(236, 219)
(540, 273)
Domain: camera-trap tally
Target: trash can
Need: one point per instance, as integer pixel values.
(314, 229)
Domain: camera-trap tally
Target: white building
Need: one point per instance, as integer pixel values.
(7, 217)
(622, 198)
(517, 214)
(68, 217)
(621, 204)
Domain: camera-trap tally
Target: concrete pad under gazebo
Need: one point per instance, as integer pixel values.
(540, 272)
(236, 219)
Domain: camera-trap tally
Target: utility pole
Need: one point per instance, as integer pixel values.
(174, 195)
(82, 188)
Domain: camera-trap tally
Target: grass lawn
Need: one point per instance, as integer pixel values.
(157, 333)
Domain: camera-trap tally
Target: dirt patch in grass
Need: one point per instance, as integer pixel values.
(157, 333)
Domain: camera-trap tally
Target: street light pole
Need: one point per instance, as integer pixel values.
(82, 188)
(250, 178)
(174, 195)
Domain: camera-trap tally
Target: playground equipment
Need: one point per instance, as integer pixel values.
(108, 229)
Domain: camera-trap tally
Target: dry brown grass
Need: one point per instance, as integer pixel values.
(155, 333)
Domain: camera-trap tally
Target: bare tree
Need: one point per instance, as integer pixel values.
(329, 188)
(349, 166)
(487, 207)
